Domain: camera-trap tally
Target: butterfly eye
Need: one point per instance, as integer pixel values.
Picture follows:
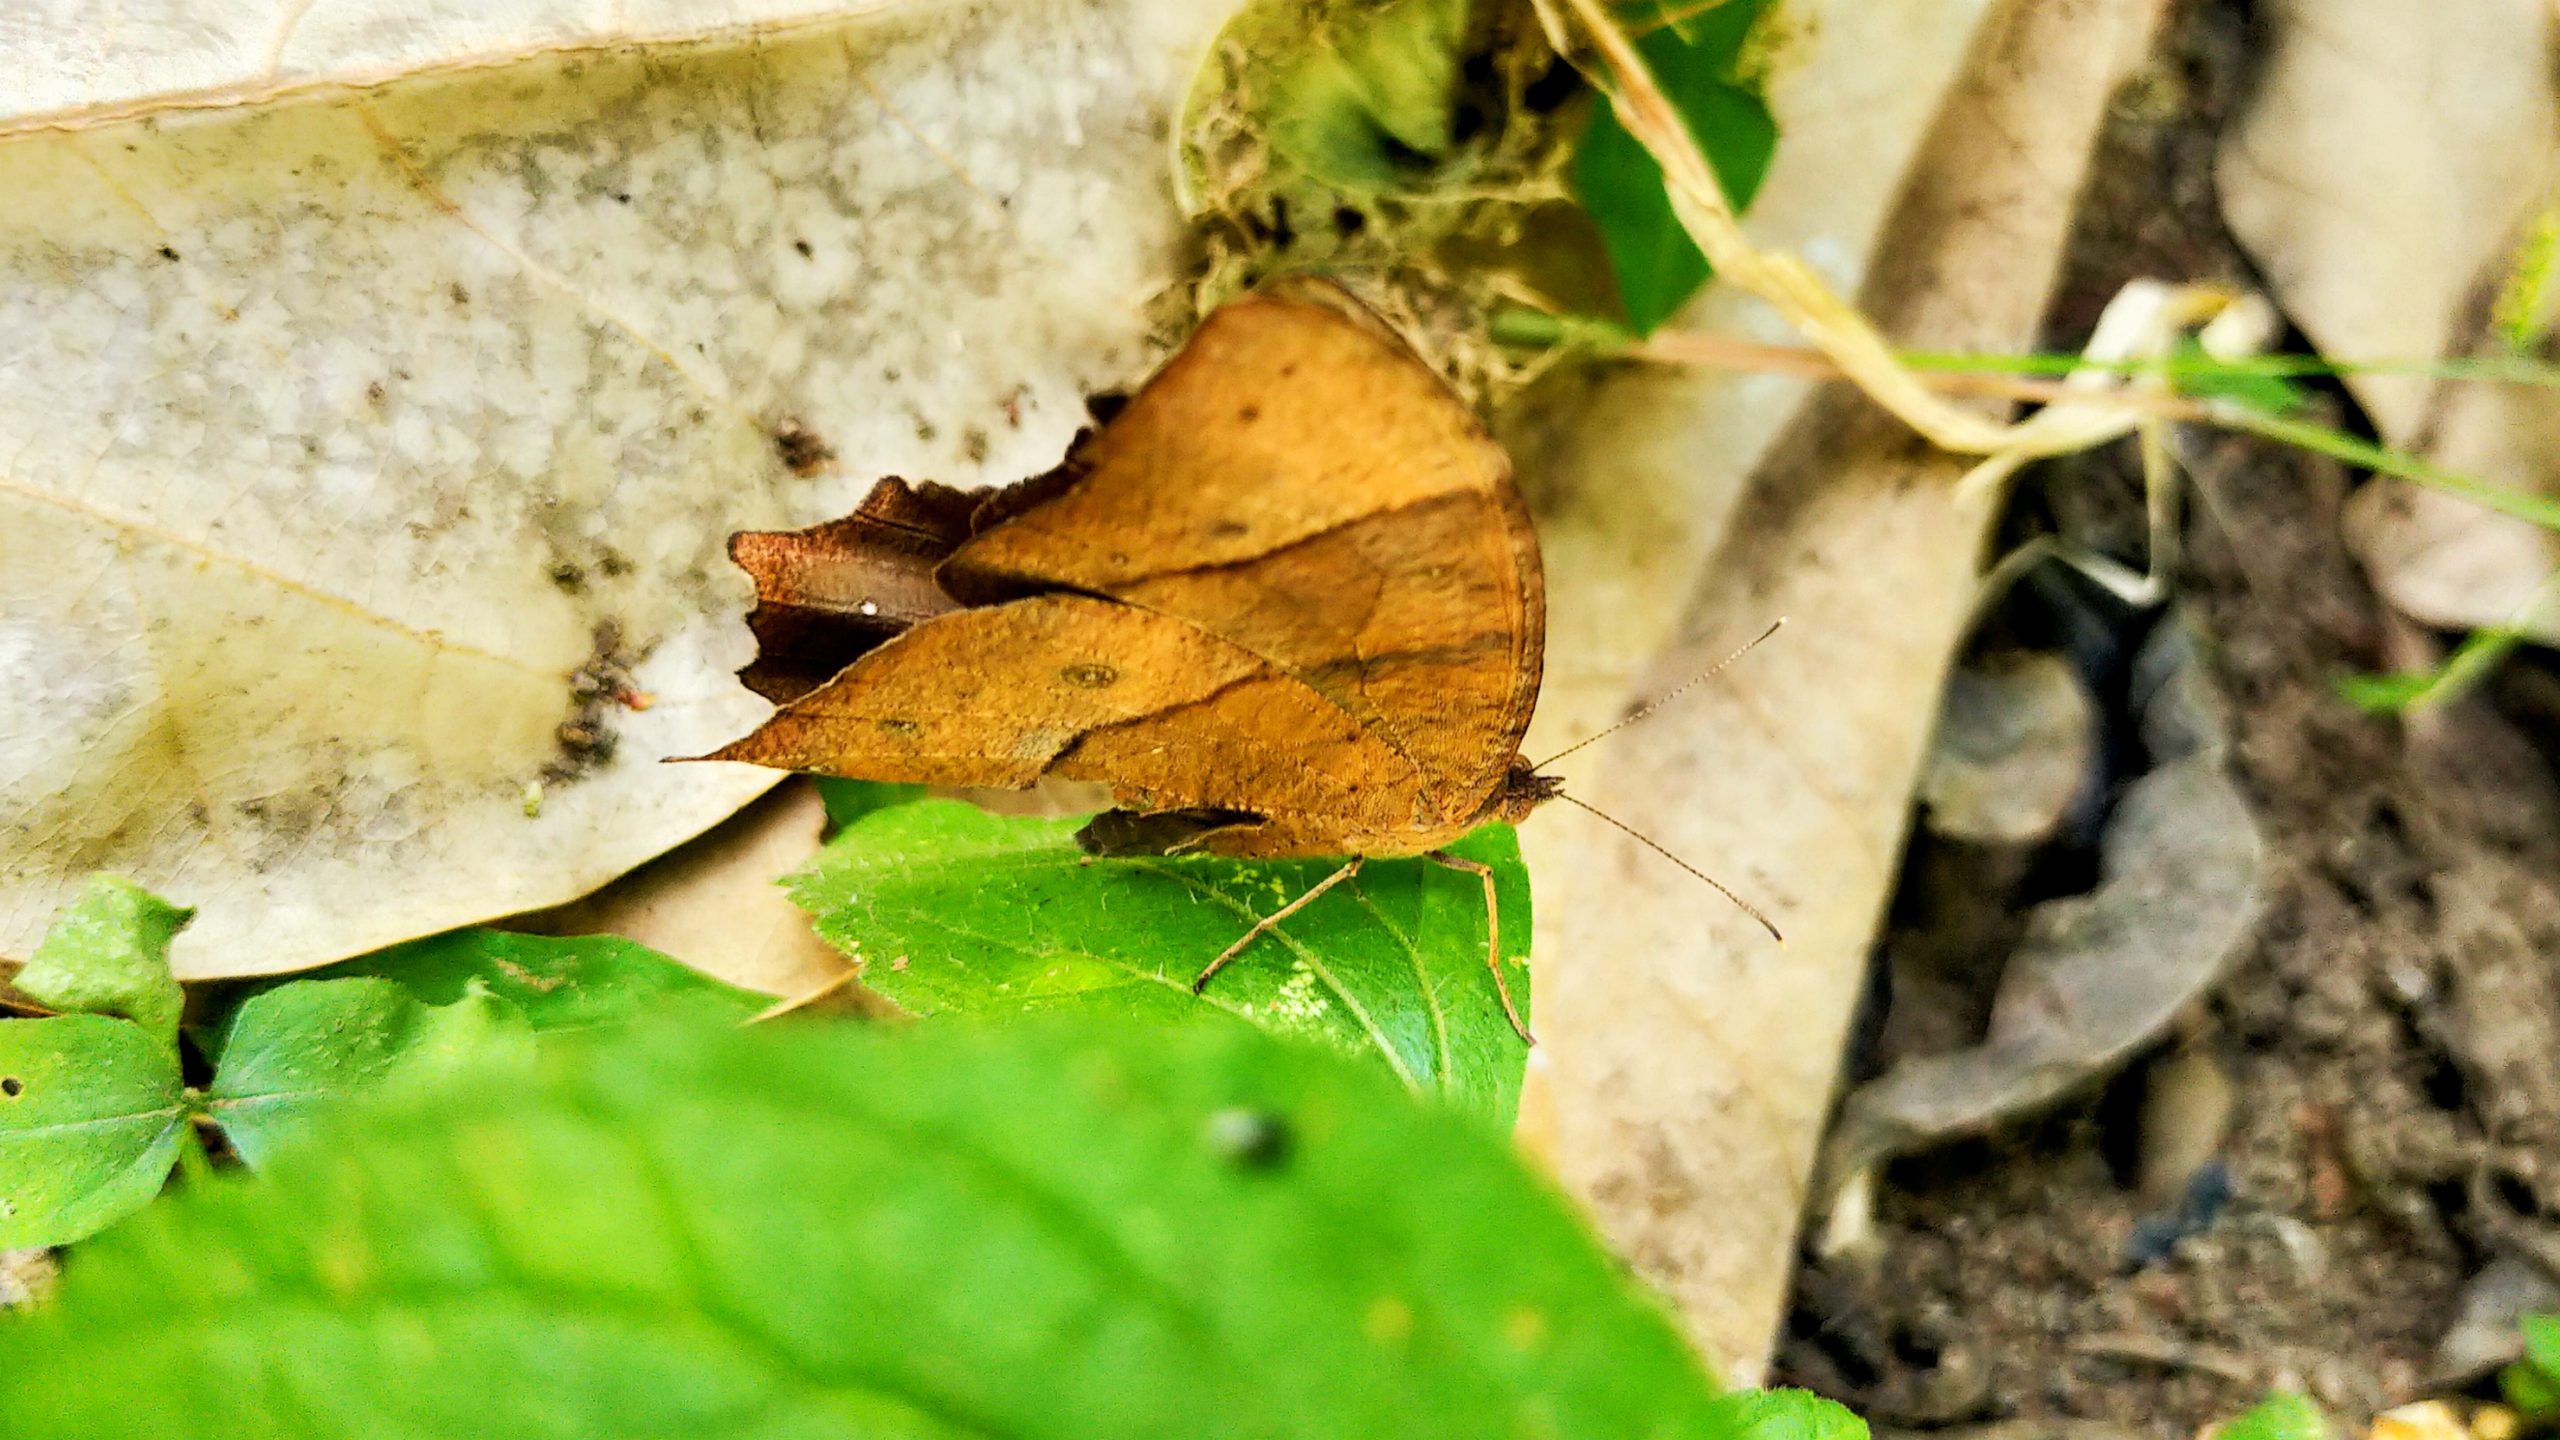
(1089, 677)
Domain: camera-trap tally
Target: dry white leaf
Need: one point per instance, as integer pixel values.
(2392, 157)
(356, 448)
(1690, 1061)
(84, 65)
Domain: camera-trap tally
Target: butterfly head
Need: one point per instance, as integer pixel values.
(1523, 790)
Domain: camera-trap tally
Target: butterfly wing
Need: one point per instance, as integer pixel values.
(1170, 716)
(1298, 484)
(1291, 582)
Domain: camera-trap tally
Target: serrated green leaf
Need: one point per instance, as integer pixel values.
(2281, 1416)
(823, 1230)
(92, 1112)
(558, 983)
(1698, 61)
(956, 911)
(1786, 1415)
(289, 1052)
(108, 954)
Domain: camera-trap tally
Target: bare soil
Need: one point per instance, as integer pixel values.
(2390, 1037)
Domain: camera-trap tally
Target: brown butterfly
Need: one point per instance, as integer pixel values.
(1285, 603)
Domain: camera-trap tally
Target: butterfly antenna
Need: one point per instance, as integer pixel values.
(1745, 906)
(1656, 703)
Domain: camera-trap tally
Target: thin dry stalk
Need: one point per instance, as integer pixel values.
(1835, 327)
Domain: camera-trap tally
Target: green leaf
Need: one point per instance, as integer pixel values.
(1699, 64)
(92, 1112)
(2532, 1385)
(1785, 1415)
(2530, 1391)
(2474, 660)
(953, 910)
(2525, 298)
(849, 800)
(108, 954)
(2542, 1342)
(2281, 1416)
(291, 1051)
(2205, 377)
(820, 1230)
(559, 983)
(1367, 105)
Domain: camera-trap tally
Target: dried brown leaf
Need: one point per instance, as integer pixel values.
(1691, 1062)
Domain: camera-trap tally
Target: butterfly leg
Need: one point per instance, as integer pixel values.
(1492, 934)
(1270, 921)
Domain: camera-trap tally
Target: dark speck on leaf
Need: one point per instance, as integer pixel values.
(1249, 414)
(803, 247)
(1251, 1139)
(802, 449)
(168, 253)
(12, 1086)
(569, 578)
(585, 739)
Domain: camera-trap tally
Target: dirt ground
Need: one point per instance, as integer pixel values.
(2390, 1038)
